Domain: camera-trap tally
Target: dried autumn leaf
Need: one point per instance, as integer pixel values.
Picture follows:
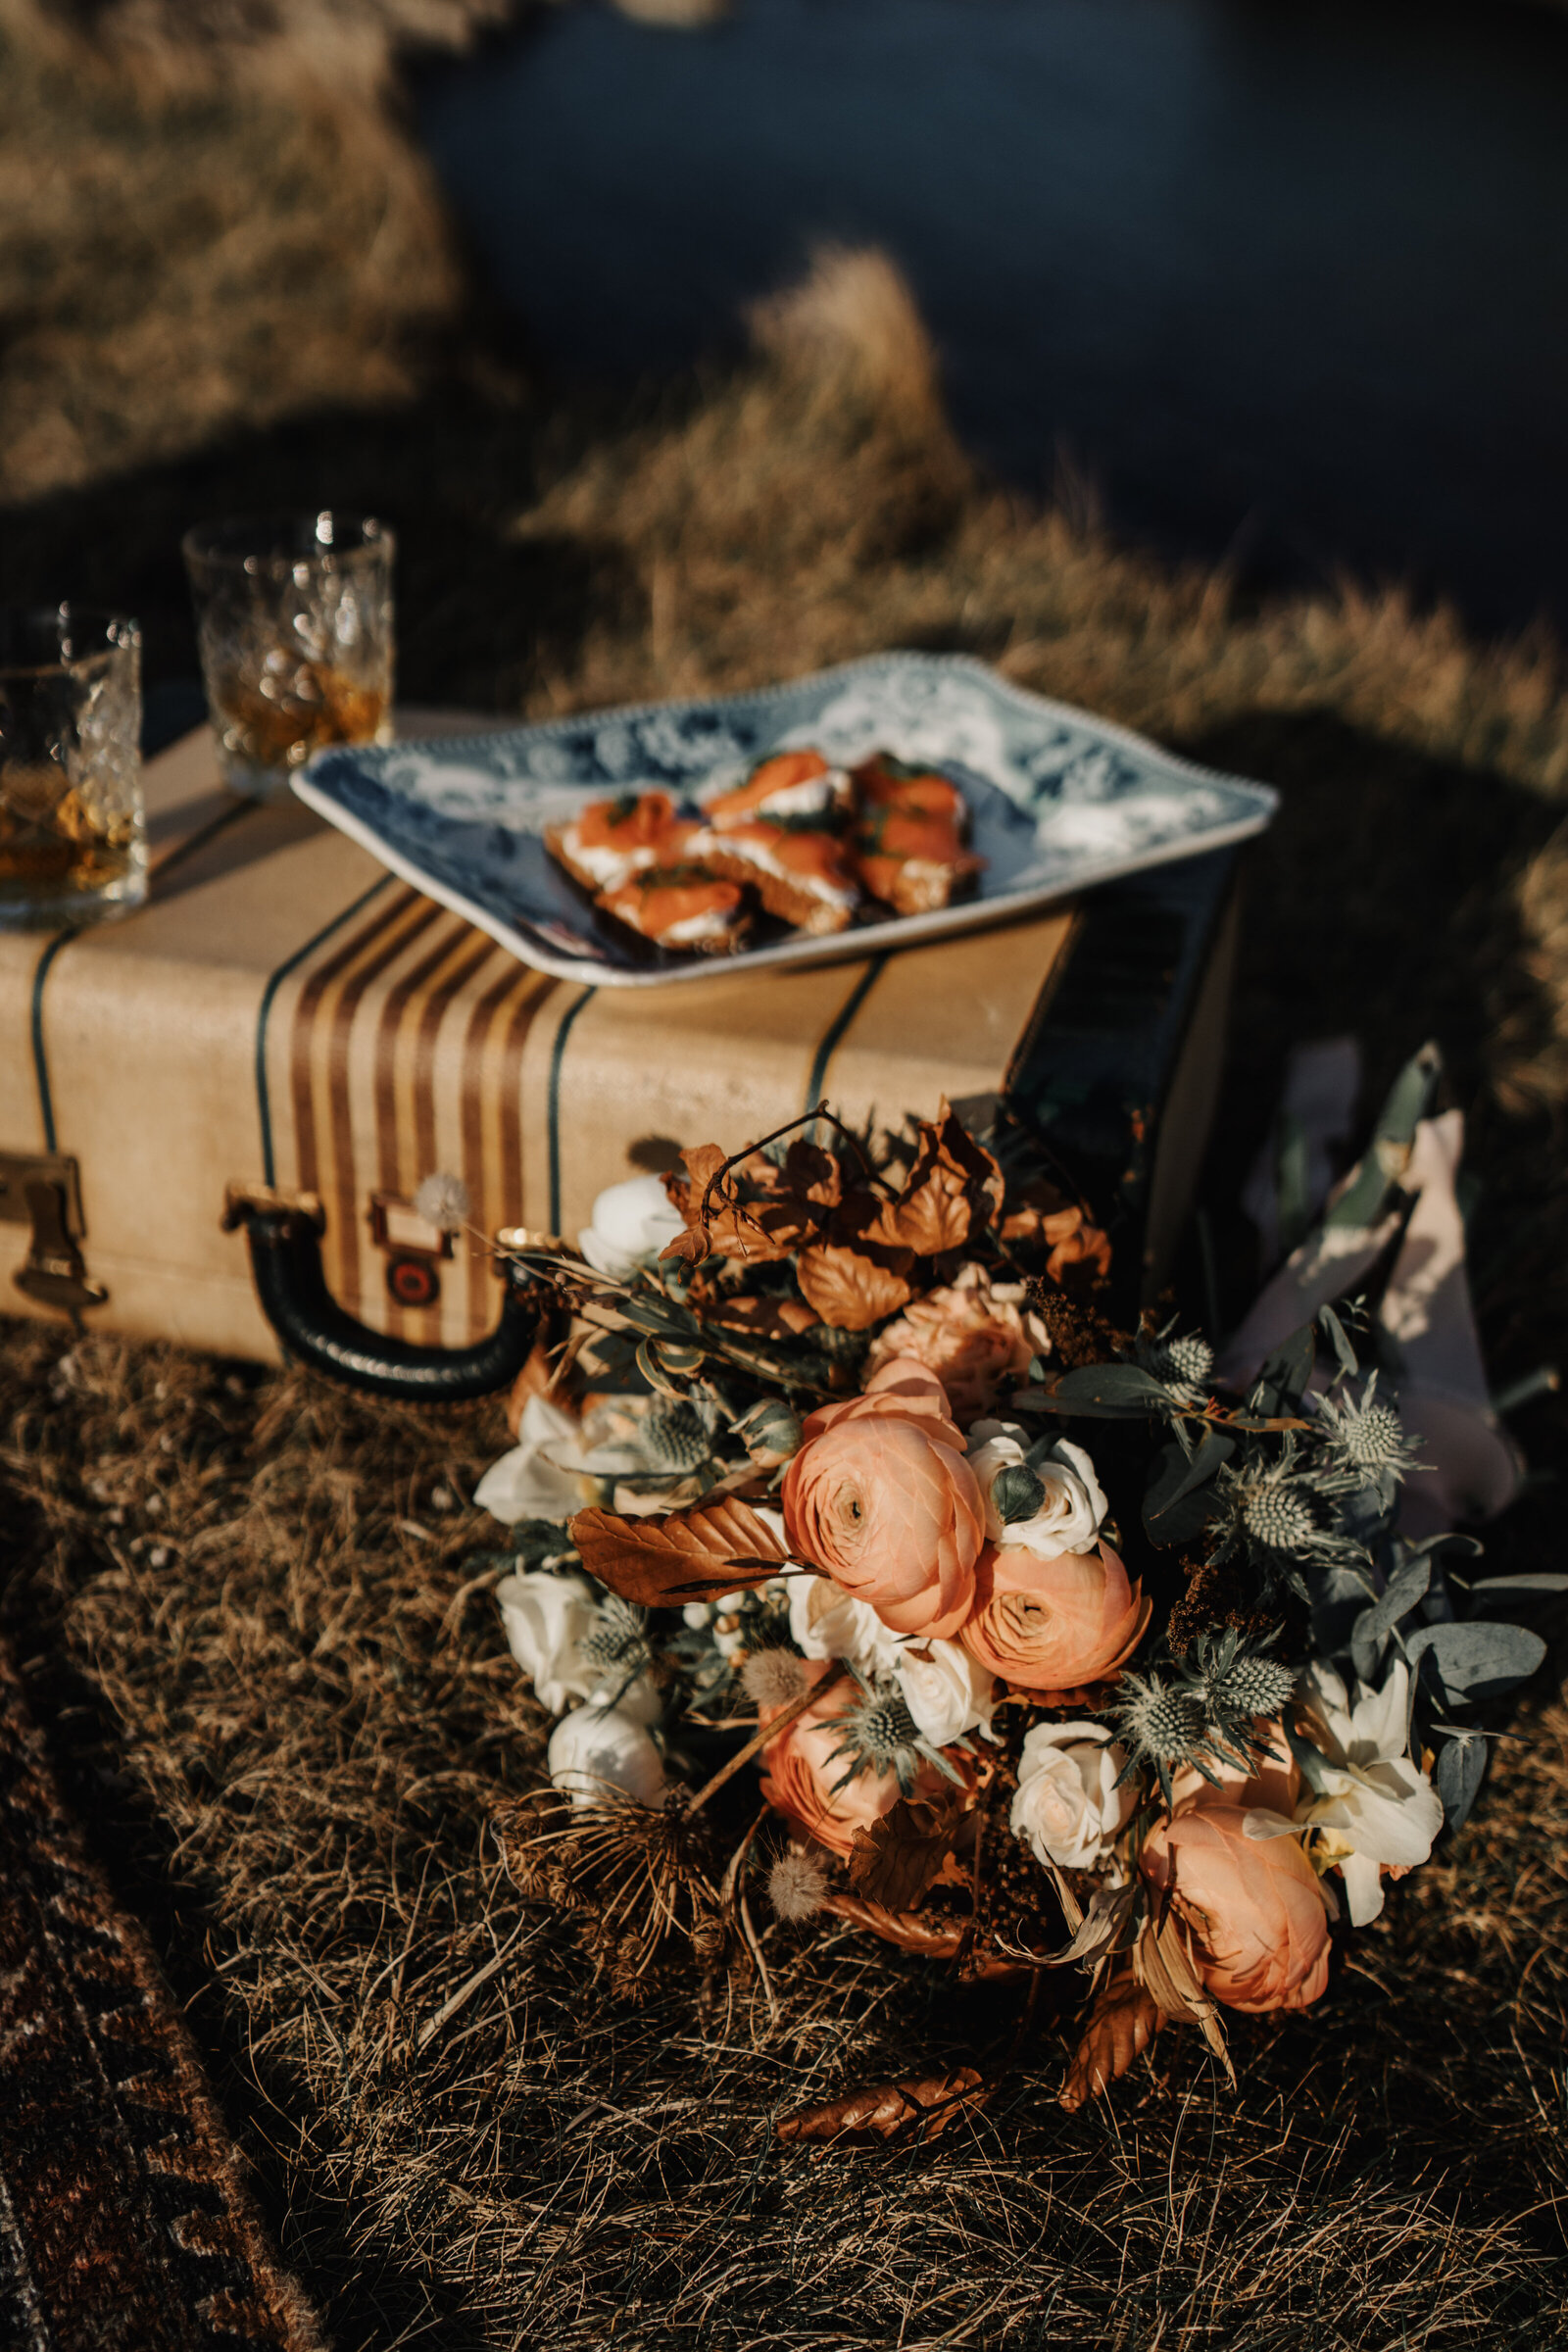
(1162, 1965)
(921, 2107)
(661, 1562)
(929, 1216)
(953, 1189)
(758, 1221)
(937, 1939)
(812, 1174)
(762, 1318)
(1100, 1929)
(1120, 2026)
(900, 1856)
(852, 1289)
(689, 1247)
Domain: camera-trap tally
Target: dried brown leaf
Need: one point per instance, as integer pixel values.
(921, 2107)
(1120, 2026)
(660, 1562)
(1162, 1964)
(758, 1223)
(762, 1318)
(1099, 1930)
(900, 1856)
(954, 1190)
(852, 1289)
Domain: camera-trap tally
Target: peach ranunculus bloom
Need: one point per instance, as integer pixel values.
(1257, 1912)
(801, 1771)
(881, 1498)
(971, 1334)
(1054, 1627)
(1271, 1784)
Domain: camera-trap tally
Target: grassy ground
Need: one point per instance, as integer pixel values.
(243, 1605)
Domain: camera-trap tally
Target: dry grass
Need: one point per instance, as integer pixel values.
(246, 1615)
(195, 236)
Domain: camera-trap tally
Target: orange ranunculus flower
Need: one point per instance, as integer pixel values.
(1053, 1626)
(1272, 1783)
(881, 1497)
(971, 1334)
(1258, 1915)
(802, 1769)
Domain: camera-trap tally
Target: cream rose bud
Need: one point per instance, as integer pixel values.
(826, 1622)
(1068, 1808)
(598, 1748)
(947, 1690)
(632, 1222)
(526, 1484)
(1053, 1505)
(546, 1617)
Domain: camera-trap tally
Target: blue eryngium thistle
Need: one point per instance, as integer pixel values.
(1235, 1686)
(675, 1434)
(1184, 1364)
(878, 1734)
(1364, 1436)
(1162, 1725)
(617, 1641)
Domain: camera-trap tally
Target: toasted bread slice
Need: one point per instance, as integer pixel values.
(805, 878)
(913, 863)
(610, 841)
(793, 788)
(681, 907)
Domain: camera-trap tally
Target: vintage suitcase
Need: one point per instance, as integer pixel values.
(285, 1013)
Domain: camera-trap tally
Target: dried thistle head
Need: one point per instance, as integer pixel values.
(443, 1201)
(797, 1887)
(773, 1678)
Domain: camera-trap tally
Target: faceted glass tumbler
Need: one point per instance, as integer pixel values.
(294, 622)
(72, 828)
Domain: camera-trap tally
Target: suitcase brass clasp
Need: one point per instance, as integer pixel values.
(42, 1189)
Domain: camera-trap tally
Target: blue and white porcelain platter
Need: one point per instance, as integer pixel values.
(1058, 800)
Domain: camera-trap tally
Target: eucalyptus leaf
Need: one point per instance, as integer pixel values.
(1457, 1772)
(1284, 1375)
(1370, 1635)
(1335, 1333)
(1474, 1662)
(1338, 1605)
(1180, 1499)
(1105, 1391)
(1512, 1596)
(1377, 1174)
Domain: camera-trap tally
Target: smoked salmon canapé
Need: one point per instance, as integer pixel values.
(610, 841)
(792, 788)
(681, 907)
(913, 863)
(805, 878)
(883, 782)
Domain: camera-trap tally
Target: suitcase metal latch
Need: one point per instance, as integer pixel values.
(42, 1190)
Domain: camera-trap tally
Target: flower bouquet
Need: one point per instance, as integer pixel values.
(1062, 1650)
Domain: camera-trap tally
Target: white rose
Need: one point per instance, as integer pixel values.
(1072, 1507)
(526, 1484)
(545, 1616)
(1068, 1808)
(826, 1622)
(946, 1690)
(631, 1224)
(599, 1747)
(1373, 1806)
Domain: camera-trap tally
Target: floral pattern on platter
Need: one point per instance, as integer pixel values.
(1057, 799)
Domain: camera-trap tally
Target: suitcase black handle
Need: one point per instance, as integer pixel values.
(285, 1245)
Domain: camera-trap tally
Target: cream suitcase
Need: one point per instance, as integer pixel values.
(286, 1014)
